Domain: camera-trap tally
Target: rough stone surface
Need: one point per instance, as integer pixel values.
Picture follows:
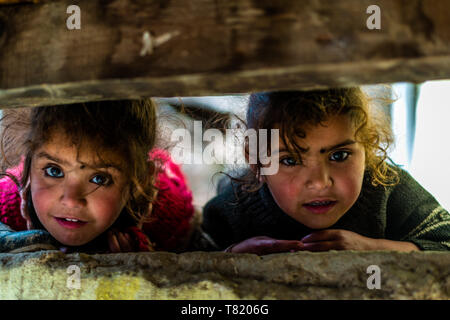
(201, 275)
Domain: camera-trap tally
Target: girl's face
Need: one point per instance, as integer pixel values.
(320, 188)
(76, 200)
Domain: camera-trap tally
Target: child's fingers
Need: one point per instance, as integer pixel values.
(284, 246)
(113, 242)
(322, 235)
(321, 246)
(130, 241)
(125, 244)
(266, 245)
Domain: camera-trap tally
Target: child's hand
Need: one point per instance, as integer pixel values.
(265, 245)
(336, 239)
(120, 242)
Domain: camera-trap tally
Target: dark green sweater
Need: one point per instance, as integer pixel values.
(405, 212)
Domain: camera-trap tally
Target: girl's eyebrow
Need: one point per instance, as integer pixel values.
(44, 154)
(342, 144)
(324, 150)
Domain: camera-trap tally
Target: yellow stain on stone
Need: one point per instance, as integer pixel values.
(117, 288)
(202, 290)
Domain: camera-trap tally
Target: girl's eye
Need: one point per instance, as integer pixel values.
(101, 180)
(54, 172)
(339, 156)
(289, 161)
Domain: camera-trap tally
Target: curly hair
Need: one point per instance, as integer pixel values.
(293, 111)
(125, 127)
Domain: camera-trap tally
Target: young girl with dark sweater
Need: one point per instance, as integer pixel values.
(334, 188)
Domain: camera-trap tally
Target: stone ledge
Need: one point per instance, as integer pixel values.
(202, 275)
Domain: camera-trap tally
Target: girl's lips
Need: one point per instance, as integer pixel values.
(70, 224)
(320, 209)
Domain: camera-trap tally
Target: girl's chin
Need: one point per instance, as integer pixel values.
(71, 237)
(317, 223)
(319, 226)
(70, 241)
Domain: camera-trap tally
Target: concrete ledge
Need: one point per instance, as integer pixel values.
(202, 275)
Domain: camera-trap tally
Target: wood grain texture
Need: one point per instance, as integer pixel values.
(218, 47)
(17, 1)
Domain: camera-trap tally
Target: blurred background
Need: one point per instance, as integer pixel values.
(419, 118)
(420, 122)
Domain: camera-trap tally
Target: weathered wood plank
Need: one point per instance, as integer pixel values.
(306, 77)
(16, 1)
(215, 47)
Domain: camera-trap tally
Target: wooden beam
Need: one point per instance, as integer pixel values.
(214, 47)
(17, 1)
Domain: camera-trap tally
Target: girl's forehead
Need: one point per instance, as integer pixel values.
(334, 124)
(331, 132)
(61, 147)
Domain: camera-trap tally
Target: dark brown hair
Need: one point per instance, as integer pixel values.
(124, 127)
(293, 111)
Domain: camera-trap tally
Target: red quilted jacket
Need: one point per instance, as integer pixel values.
(172, 210)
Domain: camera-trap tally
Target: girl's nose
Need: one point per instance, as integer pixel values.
(318, 177)
(73, 195)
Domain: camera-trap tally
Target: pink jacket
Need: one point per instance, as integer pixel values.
(172, 210)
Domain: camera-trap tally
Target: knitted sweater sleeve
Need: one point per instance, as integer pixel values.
(216, 220)
(10, 201)
(229, 218)
(414, 215)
